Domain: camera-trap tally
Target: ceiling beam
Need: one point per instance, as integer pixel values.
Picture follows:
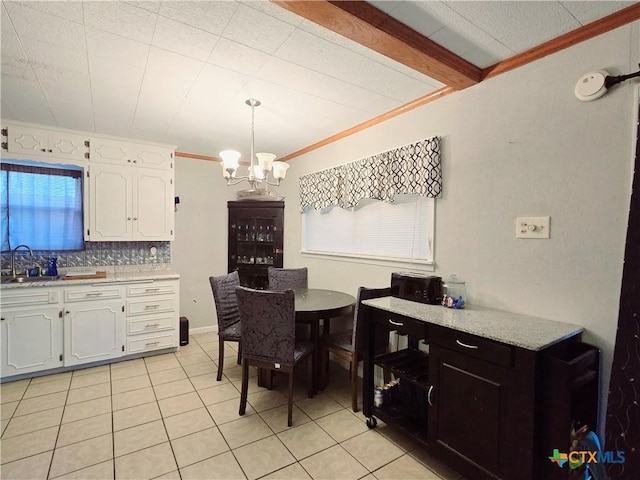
(374, 29)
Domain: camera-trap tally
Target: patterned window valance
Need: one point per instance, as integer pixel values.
(411, 169)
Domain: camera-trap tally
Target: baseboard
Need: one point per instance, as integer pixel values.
(197, 330)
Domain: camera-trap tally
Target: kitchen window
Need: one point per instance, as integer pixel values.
(401, 231)
(41, 207)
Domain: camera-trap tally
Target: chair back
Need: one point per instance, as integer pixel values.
(358, 337)
(287, 278)
(268, 324)
(224, 297)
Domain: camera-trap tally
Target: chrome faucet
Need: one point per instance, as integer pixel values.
(13, 258)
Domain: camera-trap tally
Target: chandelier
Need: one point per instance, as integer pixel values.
(259, 172)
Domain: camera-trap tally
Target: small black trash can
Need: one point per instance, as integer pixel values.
(184, 331)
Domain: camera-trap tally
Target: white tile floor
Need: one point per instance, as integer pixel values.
(167, 417)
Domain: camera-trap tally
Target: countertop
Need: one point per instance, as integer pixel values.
(112, 277)
(531, 333)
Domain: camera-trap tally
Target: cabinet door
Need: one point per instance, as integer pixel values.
(48, 143)
(150, 156)
(110, 206)
(31, 340)
(93, 331)
(255, 240)
(105, 150)
(152, 205)
(467, 421)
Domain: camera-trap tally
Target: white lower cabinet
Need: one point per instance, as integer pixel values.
(31, 340)
(152, 316)
(50, 327)
(93, 332)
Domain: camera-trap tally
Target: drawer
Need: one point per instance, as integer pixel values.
(99, 293)
(150, 306)
(403, 325)
(151, 289)
(157, 323)
(472, 345)
(147, 343)
(34, 296)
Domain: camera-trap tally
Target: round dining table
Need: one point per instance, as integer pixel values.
(314, 305)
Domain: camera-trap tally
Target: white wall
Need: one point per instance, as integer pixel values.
(518, 144)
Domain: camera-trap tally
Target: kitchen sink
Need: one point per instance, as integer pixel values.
(25, 279)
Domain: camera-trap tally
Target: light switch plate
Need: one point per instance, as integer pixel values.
(532, 227)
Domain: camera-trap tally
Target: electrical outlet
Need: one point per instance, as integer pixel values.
(152, 253)
(532, 227)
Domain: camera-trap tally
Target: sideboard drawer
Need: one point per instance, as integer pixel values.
(482, 348)
(158, 323)
(403, 325)
(147, 343)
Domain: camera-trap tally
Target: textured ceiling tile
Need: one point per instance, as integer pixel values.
(72, 115)
(273, 10)
(173, 65)
(37, 25)
(28, 108)
(216, 86)
(104, 45)
(76, 90)
(314, 83)
(211, 17)
(257, 30)
(183, 39)
(15, 87)
(45, 57)
(69, 10)
(123, 79)
(120, 18)
(151, 5)
(529, 24)
(237, 57)
(416, 15)
(587, 12)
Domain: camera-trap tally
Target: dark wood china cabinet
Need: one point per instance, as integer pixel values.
(255, 240)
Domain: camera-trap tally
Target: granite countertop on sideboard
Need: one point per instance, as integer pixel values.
(531, 333)
(112, 276)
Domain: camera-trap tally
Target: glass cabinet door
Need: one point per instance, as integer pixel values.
(255, 240)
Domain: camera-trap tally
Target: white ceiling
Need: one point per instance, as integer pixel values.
(179, 72)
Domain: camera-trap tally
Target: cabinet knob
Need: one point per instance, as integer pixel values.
(128, 218)
(43, 149)
(50, 151)
(129, 160)
(2, 319)
(135, 218)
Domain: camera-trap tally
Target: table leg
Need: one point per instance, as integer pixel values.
(315, 337)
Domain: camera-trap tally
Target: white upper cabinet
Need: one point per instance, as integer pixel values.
(128, 203)
(46, 143)
(105, 150)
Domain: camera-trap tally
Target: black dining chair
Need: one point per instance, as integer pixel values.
(284, 278)
(268, 338)
(229, 327)
(350, 344)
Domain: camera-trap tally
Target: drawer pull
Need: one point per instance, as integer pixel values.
(397, 324)
(148, 307)
(93, 294)
(152, 325)
(152, 289)
(465, 345)
(429, 395)
(151, 344)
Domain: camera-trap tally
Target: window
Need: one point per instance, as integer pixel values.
(398, 231)
(41, 207)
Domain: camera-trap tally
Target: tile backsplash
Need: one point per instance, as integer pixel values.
(97, 254)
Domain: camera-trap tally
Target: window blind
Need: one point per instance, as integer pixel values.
(41, 207)
(399, 230)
